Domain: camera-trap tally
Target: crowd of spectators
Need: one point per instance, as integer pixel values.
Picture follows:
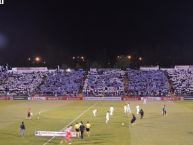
(104, 82)
(182, 81)
(98, 82)
(147, 83)
(20, 83)
(62, 83)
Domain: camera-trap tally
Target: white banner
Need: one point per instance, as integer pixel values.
(36, 98)
(53, 133)
(152, 98)
(149, 68)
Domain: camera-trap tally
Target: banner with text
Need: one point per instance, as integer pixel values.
(53, 133)
(4, 98)
(131, 98)
(103, 98)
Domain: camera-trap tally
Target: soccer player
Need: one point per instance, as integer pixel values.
(133, 119)
(128, 108)
(111, 110)
(82, 128)
(88, 126)
(137, 109)
(141, 112)
(164, 112)
(38, 117)
(94, 112)
(29, 114)
(77, 129)
(68, 134)
(125, 109)
(22, 129)
(107, 117)
(144, 100)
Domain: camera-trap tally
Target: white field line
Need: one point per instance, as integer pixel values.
(70, 123)
(46, 110)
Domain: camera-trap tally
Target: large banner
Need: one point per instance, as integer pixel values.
(184, 67)
(52, 133)
(149, 68)
(55, 98)
(4, 98)
(74, 98)
(36, 98)
(131, 98)
(103, 98)
(151, 98)
(188, 97)
(20, 98)
(175, 98)
(29, 69)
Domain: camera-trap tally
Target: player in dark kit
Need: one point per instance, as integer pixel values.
(82, 128)
(164, 112)
(141, 112)
(22, 129)
(133, 119)
(29, 114)
(77, 129)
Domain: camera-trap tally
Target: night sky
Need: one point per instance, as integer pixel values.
(160, 32)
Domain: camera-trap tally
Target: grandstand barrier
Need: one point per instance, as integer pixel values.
(175, 98)
(188, 97)
(20, 98)
(36, 98)
(103, 98)
(5, 98)
(55, 98)
(130, 98)
(123, 98)
(150, 98)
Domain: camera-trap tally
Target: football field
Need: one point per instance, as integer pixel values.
(174, 129)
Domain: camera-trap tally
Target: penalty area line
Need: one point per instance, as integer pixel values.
(71, 123)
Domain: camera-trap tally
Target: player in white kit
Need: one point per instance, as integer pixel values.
(144, 100)
(94, 112)
(111, 110)
(137, 109)
(107, 117)
(125, 109)
(128, 108)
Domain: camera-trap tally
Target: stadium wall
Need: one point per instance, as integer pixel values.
(188, 97)
(5, 98)
(123, 98)
(55, 98)
(150, 98)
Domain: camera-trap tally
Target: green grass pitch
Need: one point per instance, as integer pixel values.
(174, 129)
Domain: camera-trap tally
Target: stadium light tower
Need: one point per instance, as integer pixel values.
(129, 57)
(140, 58)
(37, 59)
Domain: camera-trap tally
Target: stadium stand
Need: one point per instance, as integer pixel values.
(62, 83)
(147, 83)
(104, 82)
(20, 83)
(97, 83)
(182, 81)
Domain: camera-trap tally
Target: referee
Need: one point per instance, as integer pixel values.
(82, 128)
(88, 125)
(77, 129)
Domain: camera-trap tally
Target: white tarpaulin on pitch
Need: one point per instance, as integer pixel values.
(53, 133)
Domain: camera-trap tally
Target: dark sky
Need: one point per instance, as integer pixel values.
(160, 32)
